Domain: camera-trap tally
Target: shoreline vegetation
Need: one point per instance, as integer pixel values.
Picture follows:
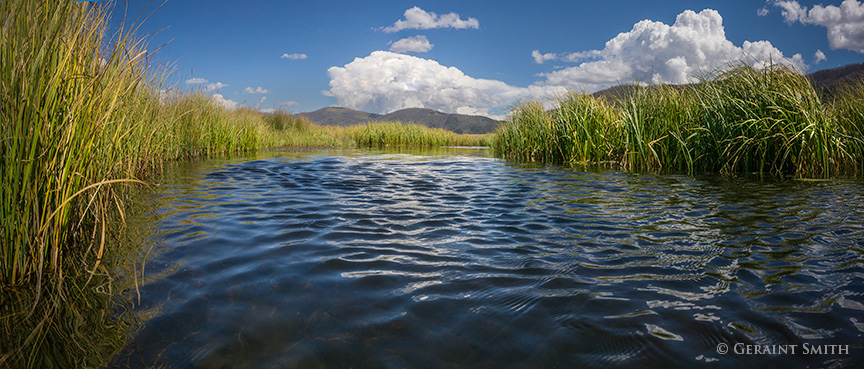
(87, 120)
(744, 120)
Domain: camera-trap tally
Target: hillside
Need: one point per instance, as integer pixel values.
(458, 123)
(826, 81)
(339, 117)
(830, 81)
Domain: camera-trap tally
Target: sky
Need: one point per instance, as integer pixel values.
(477, 57)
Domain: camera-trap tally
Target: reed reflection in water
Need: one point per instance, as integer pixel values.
(454, 259)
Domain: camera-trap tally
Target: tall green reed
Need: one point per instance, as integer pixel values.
(743, 119)
(383, 134)
(82, 116)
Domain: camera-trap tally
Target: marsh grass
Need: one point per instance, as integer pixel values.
(82, 119)
(386, 134)
(847, 109)
(769, 120)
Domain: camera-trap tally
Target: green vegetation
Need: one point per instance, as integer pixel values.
(297, 130)
(384, 134)
(84, 117)
(768, 120)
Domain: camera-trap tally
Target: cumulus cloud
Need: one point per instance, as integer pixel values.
(418, 44)
(416, 18)
(258, 90)
(819, 57)
(210, 87)
(196, 81)
(384, 81)
(792, 11)
(221, 100)
(294, 56)
(656, 52)
(289, 103)
(650, 52)
(845, 23)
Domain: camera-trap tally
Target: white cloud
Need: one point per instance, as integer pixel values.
(289, 103)
(819, 57)
(656, 52)
(540, 58)
(258, 90)
(384, 81)
(267, 111)
(195, 81)
(845, 23)
(210, 87)
(763, 11)
(416, 18)
(294, 56)
(791, 11)
(222, 101)
(650, 52)
(418, 44)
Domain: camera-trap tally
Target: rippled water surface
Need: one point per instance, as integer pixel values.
(370, 259)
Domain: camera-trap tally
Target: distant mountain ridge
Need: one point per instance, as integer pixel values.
(458, 123)
(827, 81)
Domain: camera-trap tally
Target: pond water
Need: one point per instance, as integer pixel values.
(451, 258)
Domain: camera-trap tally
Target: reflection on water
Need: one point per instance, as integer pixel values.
(453, 259)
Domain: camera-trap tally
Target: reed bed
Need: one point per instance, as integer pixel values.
(743, 120)
(385, 134)
(83, 118)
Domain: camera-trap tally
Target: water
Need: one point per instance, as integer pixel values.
(369, 259)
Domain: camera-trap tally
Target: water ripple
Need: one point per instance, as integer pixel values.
(459, 260)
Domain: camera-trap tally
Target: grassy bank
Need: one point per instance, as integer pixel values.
(294, 130)
(85, 118)
(767, 120)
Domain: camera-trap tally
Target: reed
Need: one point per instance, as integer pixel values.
(744, 119)
(82, 118)
(384, 134)
(847, 109)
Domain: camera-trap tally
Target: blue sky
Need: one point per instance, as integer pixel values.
(475, 57)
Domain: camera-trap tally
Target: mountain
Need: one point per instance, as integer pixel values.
(458, 123)
(339, 117)
(827, 81)
(831, 81)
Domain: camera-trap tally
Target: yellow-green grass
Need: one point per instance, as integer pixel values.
(297, 130)
(82, 117)
(767, 120)
(387, 134)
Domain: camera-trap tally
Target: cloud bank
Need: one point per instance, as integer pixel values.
(416, 18)
(651, 52)
(384, 82)
(656, 52)
(417, 44)
(845, 23)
